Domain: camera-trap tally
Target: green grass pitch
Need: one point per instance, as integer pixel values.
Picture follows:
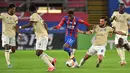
(28, 62)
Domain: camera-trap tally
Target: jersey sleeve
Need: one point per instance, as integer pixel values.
(113, 14)
(61, 23)
(128, 16)
(110, 29)
(16, 20)
(34, 17)
(1, 15)
(113, 23)
(83, 22)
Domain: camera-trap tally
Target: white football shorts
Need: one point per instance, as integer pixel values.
(117, 36)
(99, 50)
(41, 43)
(8, 40)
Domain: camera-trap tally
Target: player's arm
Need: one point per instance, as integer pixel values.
(117, 32)
(120, 32)
(46, 27)
(27, 25)
(88, 32)
(128, 16)
(84, 32)
(60, 24)
(83, 22)
(113, 17)
(0, 15)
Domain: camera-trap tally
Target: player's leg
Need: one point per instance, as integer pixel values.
(127, 47)
(100, 58)
(126, 44)
(100, 52)
(12, 49)
(83, 60)
(43, 56)
(120, 52)
(41, 45)
(51, 59)
(119, 48)
(5, 44)
(74, 48)
(12, 45)
(122, 41)
(88, 54)
(68, 48)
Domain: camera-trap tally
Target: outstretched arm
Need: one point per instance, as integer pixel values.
(120, 32)
(26, 25)
(84, 32)
(60, 24)
(83, 22)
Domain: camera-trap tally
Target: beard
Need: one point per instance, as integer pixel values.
(102, 26)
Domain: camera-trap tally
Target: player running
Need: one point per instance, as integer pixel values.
(120, 23)
(71, 23)
(9, 20)
(41, 32)
(98, 47)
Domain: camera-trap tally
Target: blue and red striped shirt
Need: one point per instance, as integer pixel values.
(71, 26)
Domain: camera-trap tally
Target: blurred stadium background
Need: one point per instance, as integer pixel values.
(52, 11)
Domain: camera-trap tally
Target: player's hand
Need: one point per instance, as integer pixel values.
(20, 36)
(79, 31)
(83, 32)
(54, 27)
(110, 34)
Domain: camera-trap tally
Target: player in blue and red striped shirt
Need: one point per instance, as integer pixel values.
(71, 23)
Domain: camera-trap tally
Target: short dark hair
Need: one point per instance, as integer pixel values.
(105, 18)
(121, 4)
(32, 7)
(70, 12)
(11, 6)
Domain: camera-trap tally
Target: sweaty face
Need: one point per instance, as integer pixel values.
(12, 10)
(70, 16)
(102, 22)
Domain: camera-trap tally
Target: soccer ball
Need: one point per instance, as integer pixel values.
(70, 62)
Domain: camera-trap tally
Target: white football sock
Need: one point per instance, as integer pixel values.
(45, 59)
(7, 56)
(73, 51)
(123, 54)
(81, 62)
(10, 51)
(49, 57)
(120, 53)
(76, 62)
